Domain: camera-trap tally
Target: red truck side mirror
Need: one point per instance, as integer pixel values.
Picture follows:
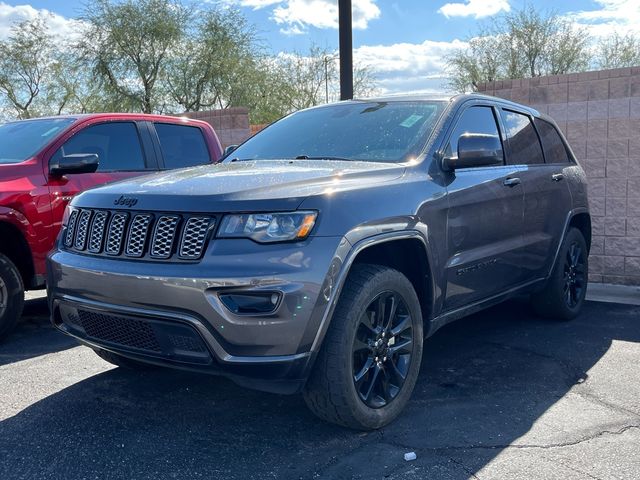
(74, 163)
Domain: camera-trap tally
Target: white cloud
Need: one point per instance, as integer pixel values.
(256, 4)
(409, 67)
(475, 8)
(622, 16)
(295, 16)
(60, 26)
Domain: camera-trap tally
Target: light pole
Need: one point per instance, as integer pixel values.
(346, 50)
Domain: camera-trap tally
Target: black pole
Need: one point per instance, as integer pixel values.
(346, 50)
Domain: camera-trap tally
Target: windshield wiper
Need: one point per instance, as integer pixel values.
(322, 157)
(299, 157)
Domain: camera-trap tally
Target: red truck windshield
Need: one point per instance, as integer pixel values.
(21, 140)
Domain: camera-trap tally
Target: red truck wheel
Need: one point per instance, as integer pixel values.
(11, 296)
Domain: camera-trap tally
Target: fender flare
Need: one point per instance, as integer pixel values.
(347, 263)
(567, 222)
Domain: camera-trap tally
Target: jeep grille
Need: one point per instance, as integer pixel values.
(138, 235)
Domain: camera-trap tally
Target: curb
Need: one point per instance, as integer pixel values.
(604, 292)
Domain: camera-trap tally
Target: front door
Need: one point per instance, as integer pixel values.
(484, 222)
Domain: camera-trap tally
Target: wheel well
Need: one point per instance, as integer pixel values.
(409, 257)
(14, 246)
(582, 221)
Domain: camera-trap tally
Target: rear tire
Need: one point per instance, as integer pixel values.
(563, 295)
(120, 361)
(11, 296)
(369, 361)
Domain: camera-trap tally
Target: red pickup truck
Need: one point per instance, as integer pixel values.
(44, 162)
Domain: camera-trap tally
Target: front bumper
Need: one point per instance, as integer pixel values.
(171, 314)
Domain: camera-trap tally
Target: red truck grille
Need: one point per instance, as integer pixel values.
(138, 235)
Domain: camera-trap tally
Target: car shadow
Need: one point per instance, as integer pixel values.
(34, 335)
(485, 381)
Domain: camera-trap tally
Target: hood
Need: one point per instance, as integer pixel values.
(239, 186)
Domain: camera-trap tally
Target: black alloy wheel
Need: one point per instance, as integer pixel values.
(574, 275)
(382, 350)
(563, 294)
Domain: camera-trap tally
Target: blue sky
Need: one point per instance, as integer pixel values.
(404, 40)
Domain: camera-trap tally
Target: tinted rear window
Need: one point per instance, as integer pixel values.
(20, 141)
(554, 148)
(182, 145)
(374, 131)
(524, 146)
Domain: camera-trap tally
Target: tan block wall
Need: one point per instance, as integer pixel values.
(231, 124)
(599, 112)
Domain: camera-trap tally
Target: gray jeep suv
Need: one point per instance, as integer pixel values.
(321, 252)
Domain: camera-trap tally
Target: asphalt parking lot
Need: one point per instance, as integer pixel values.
(501, 395)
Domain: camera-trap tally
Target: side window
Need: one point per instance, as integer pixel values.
(116, 143)
(553, 146)
(473, 120)
(182, 145)
(524, 146)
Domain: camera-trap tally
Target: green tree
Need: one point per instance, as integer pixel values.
(26, 59)
(210, 66)
(307, 77)
(618, 51)
(128, 44)
(522, 43)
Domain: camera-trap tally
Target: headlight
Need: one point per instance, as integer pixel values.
(268, 227)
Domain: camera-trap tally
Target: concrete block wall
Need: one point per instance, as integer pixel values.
(599, 112)
(231, 124)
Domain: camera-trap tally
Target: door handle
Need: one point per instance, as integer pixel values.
(556, 177)
(511, 182)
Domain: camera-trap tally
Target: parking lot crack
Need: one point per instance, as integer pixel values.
(522, 446)
(465, 468)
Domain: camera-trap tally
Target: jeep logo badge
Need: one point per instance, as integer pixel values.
(125, 201)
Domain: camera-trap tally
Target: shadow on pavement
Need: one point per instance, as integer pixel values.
(485, 381)
(33, 336)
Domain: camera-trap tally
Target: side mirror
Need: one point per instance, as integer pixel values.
(476, 150)
(229, 150)
(74, 163)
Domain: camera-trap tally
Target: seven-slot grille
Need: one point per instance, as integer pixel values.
(138, 235)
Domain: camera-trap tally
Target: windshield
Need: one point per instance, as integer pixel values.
(22, 140)
(371, 131)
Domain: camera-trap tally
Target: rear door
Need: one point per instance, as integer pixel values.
(180, 146)
(120, 150)
(484, 221)
(547, 198)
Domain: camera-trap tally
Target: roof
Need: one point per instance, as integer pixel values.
(451, 98)
(411, 97)
(139, 116)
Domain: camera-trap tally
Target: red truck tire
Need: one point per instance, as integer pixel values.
(11, 295)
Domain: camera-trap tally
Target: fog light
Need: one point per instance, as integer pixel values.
(251, 303)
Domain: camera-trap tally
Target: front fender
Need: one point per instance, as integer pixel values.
(18, 220)
(356, 241)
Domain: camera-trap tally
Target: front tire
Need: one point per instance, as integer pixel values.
(11, 296)
(369, 362)
(563, 295)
